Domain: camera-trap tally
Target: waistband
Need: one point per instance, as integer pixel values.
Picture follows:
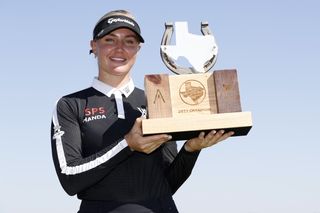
(165, 205)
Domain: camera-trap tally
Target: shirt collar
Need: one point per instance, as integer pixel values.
(108, 90)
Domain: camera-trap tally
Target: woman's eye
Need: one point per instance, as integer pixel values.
(109, 41)
(131, 42)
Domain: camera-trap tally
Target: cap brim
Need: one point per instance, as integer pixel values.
(110, 29)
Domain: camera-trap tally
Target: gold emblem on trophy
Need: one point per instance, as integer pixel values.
(194, 100)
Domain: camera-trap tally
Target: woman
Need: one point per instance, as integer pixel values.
(98, 148)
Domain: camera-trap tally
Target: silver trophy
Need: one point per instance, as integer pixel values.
(194, 100)
(200, 50)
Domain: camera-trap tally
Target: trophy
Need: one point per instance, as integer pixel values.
(194, 100)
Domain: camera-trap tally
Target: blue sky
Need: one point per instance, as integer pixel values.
(275, 47)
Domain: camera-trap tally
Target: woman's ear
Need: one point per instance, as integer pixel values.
(93, 45)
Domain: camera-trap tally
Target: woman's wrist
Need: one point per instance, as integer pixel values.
(188, 148)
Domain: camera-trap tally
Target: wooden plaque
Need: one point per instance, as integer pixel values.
(185, 105)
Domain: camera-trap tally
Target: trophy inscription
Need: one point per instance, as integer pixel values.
(194, 90)
(194, 100)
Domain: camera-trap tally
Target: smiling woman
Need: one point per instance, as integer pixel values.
(116, 41)
(116, 54)
(98, 148)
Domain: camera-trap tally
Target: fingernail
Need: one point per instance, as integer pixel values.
(221, 131)
(169, 137)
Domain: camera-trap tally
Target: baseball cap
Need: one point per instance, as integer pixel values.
(110, 23)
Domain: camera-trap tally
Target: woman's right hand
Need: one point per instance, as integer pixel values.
(146, 144)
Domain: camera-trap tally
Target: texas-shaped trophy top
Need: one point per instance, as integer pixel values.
(200, 50)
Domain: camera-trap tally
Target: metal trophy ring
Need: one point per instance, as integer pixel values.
(200, 50)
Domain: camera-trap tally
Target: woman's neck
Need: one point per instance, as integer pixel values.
(114, 81)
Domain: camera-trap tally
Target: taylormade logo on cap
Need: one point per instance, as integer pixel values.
(112, 20)
(109, 24)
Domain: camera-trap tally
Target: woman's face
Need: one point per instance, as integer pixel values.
(116, 52)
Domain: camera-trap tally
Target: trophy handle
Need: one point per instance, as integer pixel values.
(166, 40)
(206, 31)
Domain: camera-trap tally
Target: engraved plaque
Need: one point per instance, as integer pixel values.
(195, 100)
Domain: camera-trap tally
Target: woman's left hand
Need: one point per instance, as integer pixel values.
(204, 141)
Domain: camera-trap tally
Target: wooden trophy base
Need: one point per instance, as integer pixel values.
(185, 105)
(184, 128)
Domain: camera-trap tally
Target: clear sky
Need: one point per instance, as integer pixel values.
(273, 44)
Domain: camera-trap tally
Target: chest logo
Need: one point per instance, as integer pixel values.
(94, 113)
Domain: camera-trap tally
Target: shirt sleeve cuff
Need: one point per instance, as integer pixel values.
(124, 144)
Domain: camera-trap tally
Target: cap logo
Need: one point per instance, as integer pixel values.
(100, 32)
(115, 20)
(109, 24)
